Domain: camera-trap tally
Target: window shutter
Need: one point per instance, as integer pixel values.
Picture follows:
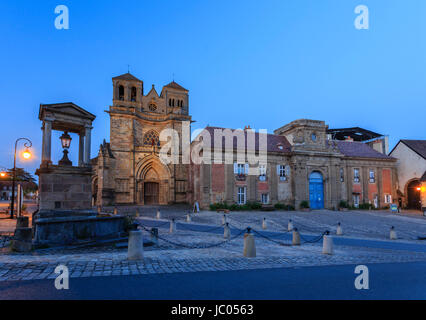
(287, 171)
(235, 168)
(246, 168)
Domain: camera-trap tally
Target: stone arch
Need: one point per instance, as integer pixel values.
(152, 175)
(95, 190)
(412, 195)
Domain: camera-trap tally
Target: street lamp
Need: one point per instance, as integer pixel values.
(66, 143)
(26, 155)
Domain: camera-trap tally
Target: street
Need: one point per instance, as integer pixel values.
(387, 281)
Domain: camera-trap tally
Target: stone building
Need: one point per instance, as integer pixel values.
(302, 165)
(128, 169)
(411, 155)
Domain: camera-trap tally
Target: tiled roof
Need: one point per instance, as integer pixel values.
(419, 146)
(175, 85)
(126, 76)
(275, 143)
(359, 149)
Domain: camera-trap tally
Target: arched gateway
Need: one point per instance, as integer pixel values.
(153, 183)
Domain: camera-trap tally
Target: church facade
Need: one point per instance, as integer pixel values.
(128, 169)
(303, 163)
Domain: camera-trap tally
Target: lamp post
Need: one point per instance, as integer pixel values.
(26, 155)
(66, 143)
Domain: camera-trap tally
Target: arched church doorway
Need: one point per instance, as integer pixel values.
(413, 195)
(316, 190)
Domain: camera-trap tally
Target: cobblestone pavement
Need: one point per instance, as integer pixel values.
(168, 258)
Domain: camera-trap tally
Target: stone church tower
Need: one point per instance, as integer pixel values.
(128, 169)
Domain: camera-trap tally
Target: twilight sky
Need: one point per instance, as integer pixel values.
(258, 63)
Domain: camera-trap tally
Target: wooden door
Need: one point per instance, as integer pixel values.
(151, 193)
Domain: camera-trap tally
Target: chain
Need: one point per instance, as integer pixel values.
(314, 240)
(206, 246)
(272, 240)
(188, 227)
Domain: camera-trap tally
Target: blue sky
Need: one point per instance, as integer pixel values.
(258, 63)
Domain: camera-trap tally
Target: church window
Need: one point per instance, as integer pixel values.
(151, 139)
(121, 93)
(152, 107)
(133, 95)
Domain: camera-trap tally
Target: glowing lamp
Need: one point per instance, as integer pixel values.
(66, 140)
(2, 174)
(26, 154)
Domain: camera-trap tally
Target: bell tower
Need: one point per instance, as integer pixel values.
(127, 92)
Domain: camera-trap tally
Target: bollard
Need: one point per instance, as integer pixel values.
(135, 248)
(154, 235)
(158, 214)
(22, 240)
(339, 230)
(392, 234)
(327, 244)
(249, 245)
(22, 222)
(290, 225)
(115, 211)
(99, 210)
(223, 220)
(188, 218)
(264, 224)
(296, 237)
(172, 226)
(227, 231)
(137, 214)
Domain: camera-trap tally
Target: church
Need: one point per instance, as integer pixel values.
(305, 163)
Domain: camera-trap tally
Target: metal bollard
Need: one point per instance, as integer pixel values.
(135, 248)
(223, 219)
(158, 214)
(227, 231)
(172, 226)
(188, 218)
(249, 245)
(296, 237)
(327, 244)
(339, 230)
(290, 225)
(154, 235)
(392, 234)
(264, 224)
(115, 211)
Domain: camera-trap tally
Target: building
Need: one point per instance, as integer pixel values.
(411, 164)
(302, 165)
(377, 141)
(301, 161)
(128, 169)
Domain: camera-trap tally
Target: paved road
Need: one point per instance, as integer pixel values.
(387, 281)
(346, 241)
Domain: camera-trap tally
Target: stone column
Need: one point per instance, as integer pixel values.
(81, 150)
(47, 141)
(87, 145)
